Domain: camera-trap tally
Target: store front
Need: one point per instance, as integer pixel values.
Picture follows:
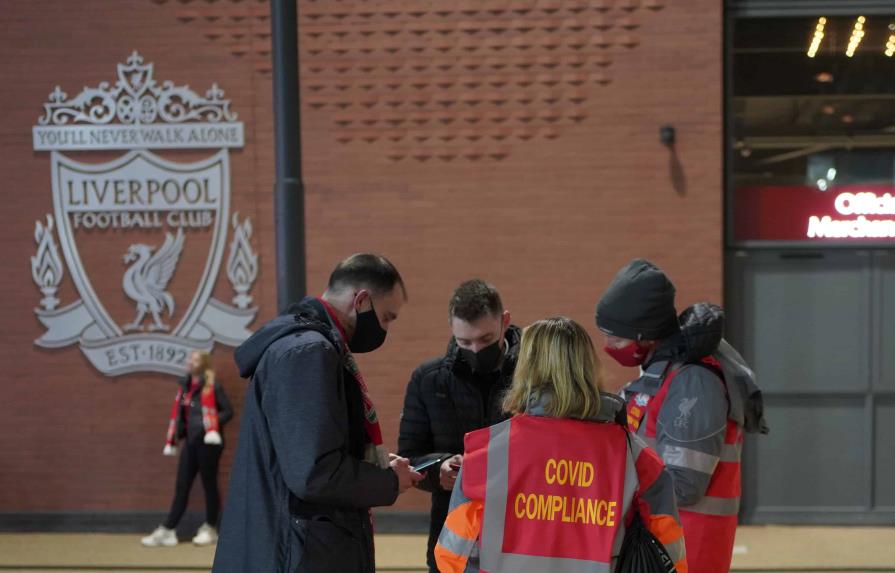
(810, 235)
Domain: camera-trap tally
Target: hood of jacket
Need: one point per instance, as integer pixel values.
(701, 332)
(308, 314)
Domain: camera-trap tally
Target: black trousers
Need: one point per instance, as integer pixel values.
(197, 457)
(329, 544)
(441, 501)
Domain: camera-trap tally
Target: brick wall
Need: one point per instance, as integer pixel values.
(512, 140)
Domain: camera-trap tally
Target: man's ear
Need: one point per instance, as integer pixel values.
(506, 319)
(363, 300)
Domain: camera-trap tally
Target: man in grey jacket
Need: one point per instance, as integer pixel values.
(310, 461)
(680, 405)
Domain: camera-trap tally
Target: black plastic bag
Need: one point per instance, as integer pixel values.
(642, 552)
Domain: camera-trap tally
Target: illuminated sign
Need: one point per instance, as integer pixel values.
(853, 213)
(861, 204)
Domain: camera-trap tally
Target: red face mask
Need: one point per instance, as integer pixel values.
(629, 355)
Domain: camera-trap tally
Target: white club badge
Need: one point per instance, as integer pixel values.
(150, 215)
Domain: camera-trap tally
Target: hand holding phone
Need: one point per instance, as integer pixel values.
(427, 465)
(407, 476)
(449, 470)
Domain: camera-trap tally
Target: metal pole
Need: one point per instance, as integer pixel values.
(289, 191)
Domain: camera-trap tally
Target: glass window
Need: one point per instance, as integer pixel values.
(812, 129)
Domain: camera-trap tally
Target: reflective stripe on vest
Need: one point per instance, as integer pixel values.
(556, 494)
(454, 543)
(729, 452)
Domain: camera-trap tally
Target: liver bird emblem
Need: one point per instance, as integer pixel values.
(686, 406)
(146, 280)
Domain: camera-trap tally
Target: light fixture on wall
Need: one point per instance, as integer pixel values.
(818, 37)
(824, 78)
(857, 34)
(890, 45)
(667, 135)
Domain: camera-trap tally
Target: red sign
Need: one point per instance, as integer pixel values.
(853, 213)
(565, 488)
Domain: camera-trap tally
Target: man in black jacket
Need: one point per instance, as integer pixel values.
(310, 462)
(458, 392)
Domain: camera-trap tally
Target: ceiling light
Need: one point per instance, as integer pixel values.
(818, 37)
(890, 45)
(831, 173)
(822, 184)
(857, 34)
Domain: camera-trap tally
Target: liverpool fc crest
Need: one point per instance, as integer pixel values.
(142, 236)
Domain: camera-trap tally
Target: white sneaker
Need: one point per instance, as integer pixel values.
(206, 535)
(162, 536)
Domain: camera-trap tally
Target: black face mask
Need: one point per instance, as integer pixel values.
(368, 333)
(485, 360)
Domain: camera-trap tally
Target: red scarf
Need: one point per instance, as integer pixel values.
(209, 407)
(376, 453)
(371, 419)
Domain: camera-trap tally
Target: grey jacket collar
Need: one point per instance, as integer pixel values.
(650, 379)
(610, 406)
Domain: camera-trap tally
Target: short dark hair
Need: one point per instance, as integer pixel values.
(366, 270)
(474, 299)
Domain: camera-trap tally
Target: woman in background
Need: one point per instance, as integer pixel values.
(200, 410)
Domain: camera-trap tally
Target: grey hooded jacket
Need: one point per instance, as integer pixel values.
(693, 419)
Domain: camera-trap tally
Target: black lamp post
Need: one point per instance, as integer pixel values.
(289, 191)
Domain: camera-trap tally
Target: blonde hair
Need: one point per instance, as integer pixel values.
(557, 358)
(205, 362)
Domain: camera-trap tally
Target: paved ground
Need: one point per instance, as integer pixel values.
(759, 549)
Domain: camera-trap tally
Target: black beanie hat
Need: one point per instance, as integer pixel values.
(639, 304)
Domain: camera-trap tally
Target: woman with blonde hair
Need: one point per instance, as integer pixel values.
(553, 488)
(200, 410)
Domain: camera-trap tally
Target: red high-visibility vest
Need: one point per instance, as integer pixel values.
(555, 493)
(710, 524)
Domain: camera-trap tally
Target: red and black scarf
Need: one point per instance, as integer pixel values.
(376, 454)
(183, 398)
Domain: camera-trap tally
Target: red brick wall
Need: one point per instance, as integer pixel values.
(512, 140)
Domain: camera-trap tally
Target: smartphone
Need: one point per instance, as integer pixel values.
(426, 465)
